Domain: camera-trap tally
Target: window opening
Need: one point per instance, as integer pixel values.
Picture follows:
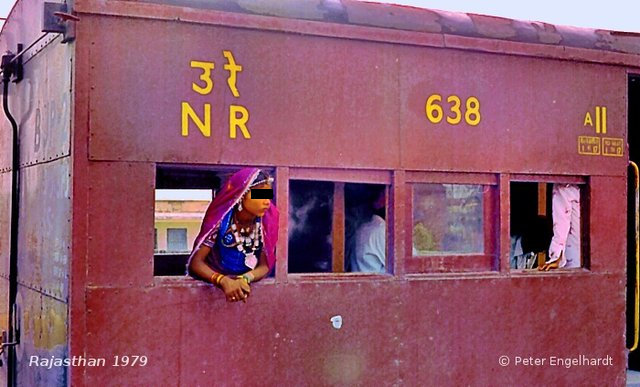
(365, 228)
(310, 224)
(545, 229)
(337, 227)
(182, 197)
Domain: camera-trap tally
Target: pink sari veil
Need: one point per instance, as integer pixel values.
(228, 196)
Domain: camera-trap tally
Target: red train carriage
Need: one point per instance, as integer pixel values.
(465, 122)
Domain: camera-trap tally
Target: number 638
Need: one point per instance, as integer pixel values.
(435, 112)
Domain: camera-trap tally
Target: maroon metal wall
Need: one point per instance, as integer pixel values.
(443, 331)
(368, 102)
(328, 102)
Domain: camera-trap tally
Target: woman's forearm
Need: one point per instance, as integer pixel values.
(262, 269)
(259, 272)
(198, 268)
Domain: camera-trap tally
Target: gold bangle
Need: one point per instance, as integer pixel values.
(213, 278)
(219, 279)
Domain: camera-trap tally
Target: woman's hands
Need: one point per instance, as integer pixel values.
(235, 289)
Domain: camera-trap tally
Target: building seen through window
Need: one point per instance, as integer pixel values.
(178, 215)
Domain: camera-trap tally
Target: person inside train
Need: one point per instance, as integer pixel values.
(564, 250)
(530, 236)
(368, 254)
(237, 239)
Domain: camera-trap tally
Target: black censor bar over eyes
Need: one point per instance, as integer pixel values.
(261, 193)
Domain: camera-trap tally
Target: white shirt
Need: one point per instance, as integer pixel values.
(566, 225)
(369, 254)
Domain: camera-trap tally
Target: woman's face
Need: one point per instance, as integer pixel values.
(256, 207)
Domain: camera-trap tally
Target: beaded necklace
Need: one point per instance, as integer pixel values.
(248, 240)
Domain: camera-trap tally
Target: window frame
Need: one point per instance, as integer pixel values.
(585, 231)
(166, 175)
(486, 261)
(400, 261)
(339, 177)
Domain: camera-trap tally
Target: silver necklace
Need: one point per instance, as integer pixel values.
(248, 242)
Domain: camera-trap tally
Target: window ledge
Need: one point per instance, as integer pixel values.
(332, 277)
(551, 273)
(186, 281)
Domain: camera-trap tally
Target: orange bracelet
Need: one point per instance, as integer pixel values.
(215, 278)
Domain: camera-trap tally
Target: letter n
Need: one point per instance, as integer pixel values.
(188, 112)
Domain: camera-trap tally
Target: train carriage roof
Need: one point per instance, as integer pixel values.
(409, 18)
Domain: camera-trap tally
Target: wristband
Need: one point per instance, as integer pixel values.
(216, 278)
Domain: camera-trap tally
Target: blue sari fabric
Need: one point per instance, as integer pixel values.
(231, 259)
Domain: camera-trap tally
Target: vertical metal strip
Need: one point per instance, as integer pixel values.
(504, 230)
(636, 285)
(401, 206)
(337, 256)
(282, 202)
(542, 199)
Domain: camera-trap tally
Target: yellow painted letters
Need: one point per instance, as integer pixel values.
(238, 122)
(188, 112)
(233, 69)
(587, 119)
(206, 68)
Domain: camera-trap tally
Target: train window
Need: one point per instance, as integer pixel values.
(448, 218)
(545, 225)
(182, 196)
(452, 222)
(310, 226)
(365, 228)
(336, 227)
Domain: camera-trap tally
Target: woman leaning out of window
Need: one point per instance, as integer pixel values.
(236, 243)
